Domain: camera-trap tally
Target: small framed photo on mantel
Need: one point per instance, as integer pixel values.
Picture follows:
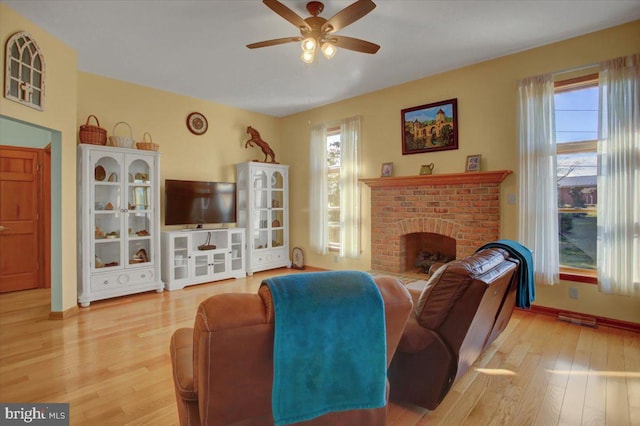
(473, 163)
(386, 170)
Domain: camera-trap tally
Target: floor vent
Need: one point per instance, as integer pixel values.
(578, 320)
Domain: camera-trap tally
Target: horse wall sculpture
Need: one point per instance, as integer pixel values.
(256, 139)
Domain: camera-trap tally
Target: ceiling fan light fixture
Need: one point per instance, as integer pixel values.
(308, 57)
(328, 50)
(309, 44)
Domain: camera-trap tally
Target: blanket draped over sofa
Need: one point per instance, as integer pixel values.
(526, 290)
(329, 345)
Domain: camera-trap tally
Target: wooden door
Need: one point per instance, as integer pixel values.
(20, 203)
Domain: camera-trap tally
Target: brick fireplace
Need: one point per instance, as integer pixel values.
(461, 210)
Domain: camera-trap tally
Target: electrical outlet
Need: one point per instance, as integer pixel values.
(335, 259)
(573, 292)
(511, 199)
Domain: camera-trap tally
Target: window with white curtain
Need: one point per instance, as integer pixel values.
(334, 200)
(565, 136)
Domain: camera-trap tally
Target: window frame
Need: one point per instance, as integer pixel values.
(22, 73)
(333, 130)
(590, 80)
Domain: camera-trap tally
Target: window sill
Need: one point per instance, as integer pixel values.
(578, 275)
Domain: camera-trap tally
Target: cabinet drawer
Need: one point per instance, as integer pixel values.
(271, 256)
(119, 280)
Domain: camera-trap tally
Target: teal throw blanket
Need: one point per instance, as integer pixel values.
(526, 289)
(330, 344)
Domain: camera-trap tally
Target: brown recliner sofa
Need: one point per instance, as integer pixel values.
(460, 310)
(223, 367)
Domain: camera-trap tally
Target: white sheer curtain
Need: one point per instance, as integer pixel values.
(349, 187)
(619, 177)
(318, 192)
(537, 182)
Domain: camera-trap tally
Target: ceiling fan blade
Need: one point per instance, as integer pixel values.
(354, 44)
(274, 42)
(286, 13)
(348, 15)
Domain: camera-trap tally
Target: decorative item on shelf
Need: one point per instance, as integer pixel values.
(426, 169)
(431, 127)
(90, 134)
(99, 173)
(110, 264)
(140, 257)
(99, 233)
(113, 177)
(266, 149)
(147, 145)
(197, 123)
(121, 141)
(112, 235)
(97, 263)
(108, 206)
(207, 244)
(386, 170)
(141, 178)
(275, 243)
(473, 163)
(142, 233)
(297, 258)
(275, 223)
(275, 203)
(99, 205)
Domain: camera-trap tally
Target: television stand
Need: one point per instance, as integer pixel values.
(183, 264)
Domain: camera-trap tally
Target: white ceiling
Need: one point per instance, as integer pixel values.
(197, 47)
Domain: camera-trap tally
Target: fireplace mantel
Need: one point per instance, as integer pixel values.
(444, 179)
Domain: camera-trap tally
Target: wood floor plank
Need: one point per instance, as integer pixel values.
(573, 402)
(617, 408)
(595, 396)
(632, 368)
(536, 372)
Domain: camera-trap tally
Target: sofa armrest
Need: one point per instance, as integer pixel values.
(181, 350)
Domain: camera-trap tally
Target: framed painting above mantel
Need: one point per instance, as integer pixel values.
(431, 127)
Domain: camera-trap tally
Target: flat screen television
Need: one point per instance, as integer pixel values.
(188, 202)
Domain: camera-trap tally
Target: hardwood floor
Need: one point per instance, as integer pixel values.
(111, 363)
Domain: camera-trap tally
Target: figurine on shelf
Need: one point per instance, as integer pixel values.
(266, 149)
(99, 233)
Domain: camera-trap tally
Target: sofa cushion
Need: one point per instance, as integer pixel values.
(450, 281)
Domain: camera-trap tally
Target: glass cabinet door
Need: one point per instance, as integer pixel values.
(180, 258)
(268, 209)
(139, 211)
(200, 265)
(277, 209)
(261, 203)
(107, 208)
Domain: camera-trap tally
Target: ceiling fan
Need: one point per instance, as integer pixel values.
(317, 31)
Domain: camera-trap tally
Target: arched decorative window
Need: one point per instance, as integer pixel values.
(24, 71)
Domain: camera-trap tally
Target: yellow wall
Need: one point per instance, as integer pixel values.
(60, 115)
(486, 94)
(211, 156)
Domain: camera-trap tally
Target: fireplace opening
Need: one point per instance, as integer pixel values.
(423, 249)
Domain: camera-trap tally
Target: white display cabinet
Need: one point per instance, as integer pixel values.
(118, 222)
(263, 210)
(187, 262)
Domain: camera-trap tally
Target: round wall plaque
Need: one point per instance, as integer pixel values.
(197, 123)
